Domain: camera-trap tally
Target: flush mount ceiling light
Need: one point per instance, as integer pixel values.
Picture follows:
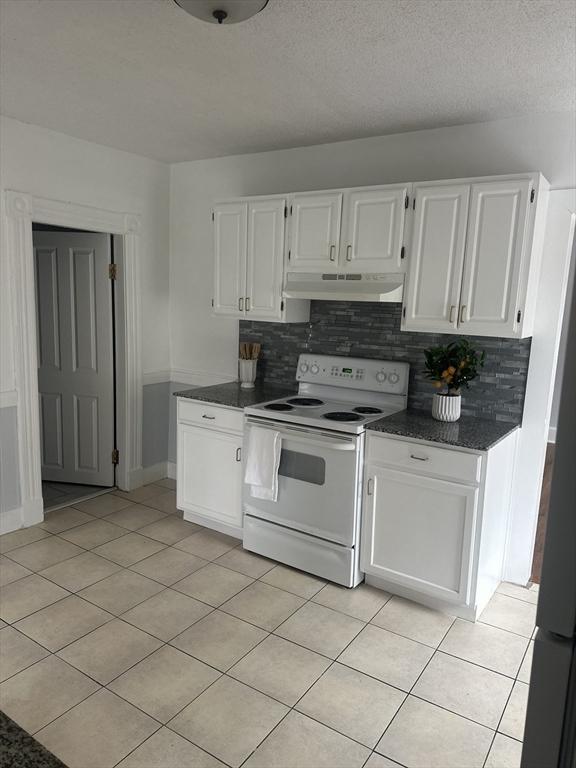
(222, 11)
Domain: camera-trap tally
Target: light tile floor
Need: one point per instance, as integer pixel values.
(136, 639)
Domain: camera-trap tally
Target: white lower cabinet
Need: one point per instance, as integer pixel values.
(209, 475)
(428, 534)
(419, 532)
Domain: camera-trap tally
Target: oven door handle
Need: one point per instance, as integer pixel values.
(332, 443)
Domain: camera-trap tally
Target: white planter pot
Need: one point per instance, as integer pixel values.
(446, 407)
(247, 373)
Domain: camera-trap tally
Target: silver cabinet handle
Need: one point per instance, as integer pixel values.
(241, 304)
(238, 454)
(419, 458)
(247, 303)
(462, 313)
(332, 253)
(369, 487)
(210, 418)
(452, 310)
(349, 253)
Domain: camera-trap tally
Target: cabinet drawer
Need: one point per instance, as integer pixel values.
(209, 415)
(425, 459)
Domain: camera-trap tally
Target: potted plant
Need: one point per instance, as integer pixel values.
(451, 367)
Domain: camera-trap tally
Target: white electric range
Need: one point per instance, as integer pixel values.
(315, 523)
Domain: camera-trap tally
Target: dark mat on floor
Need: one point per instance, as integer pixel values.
(19, 750)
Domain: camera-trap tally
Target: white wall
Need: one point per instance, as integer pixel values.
(47, 164)
(203, 348)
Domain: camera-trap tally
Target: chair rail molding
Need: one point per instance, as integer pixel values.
(20, 211)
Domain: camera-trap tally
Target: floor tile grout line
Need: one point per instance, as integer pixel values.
(496, 731)
(412, 688)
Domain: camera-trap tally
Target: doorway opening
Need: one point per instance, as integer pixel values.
(74, 280)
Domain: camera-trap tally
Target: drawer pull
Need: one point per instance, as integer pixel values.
(452, 310)
(349, 253)
(238, 454)
(332, 253)
(419, 458)
(210, 418)
(369, 487)
(241, 304)
(463, 313)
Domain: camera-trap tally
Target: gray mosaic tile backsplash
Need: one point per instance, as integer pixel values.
(358, 329)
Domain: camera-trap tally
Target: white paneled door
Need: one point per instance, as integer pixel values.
(494, 245)
(315, 231)
(266, 258)
(75, 357)
(373, 229)
(436, 263)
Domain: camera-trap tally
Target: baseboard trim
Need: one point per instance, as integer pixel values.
(155, 472)
(171, 470)
(30, 513)
(156, 377)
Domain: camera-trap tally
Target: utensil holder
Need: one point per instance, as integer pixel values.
(247, 373)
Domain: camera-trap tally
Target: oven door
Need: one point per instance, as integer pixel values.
(318, 482)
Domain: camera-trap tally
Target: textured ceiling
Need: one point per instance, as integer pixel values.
(144, 76)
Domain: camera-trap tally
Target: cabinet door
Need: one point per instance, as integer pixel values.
(495, 247)
(230, 220)
(209, 473)
(265, 259)
(417, 532)
(315, 232)
(437, 255)
(373, 229)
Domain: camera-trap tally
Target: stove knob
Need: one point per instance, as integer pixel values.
(380, 377)
(303, 367)
(314, 368)
(393, 378)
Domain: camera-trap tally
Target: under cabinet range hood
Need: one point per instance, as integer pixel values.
(344, 287)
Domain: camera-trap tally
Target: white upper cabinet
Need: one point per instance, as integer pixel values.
(265, 264)
(476, 250)
(373, 229)
(315, 232)
(249, 240)
(230, 246)
(432, 292)
(494, 252)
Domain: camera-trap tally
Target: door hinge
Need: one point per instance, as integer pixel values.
(112, 271)
(115, 456)
(285, 211)
(212, 302)
(289, 255)
(290, 210)
(212, 215)
(402, 252)
(519, 316)
(282, 305)
(414, 204)
(404, 312)
(532, 195)
(406, 202)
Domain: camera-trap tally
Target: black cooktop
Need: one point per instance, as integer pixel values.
(305, 402)
(342, 416)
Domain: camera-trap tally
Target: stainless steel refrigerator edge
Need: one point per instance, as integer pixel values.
(550, 731)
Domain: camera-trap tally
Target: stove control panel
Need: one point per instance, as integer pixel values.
(385, 376)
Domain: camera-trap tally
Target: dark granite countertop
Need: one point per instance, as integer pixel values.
(468, 432)
(233, 396)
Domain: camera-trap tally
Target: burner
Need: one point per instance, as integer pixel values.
(306, 402)
(342, 416)
(279, 407)
(367, 410)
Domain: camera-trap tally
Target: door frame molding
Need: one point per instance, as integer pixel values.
(21, 210)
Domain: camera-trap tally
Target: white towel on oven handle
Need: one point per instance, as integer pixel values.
(262, 462)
